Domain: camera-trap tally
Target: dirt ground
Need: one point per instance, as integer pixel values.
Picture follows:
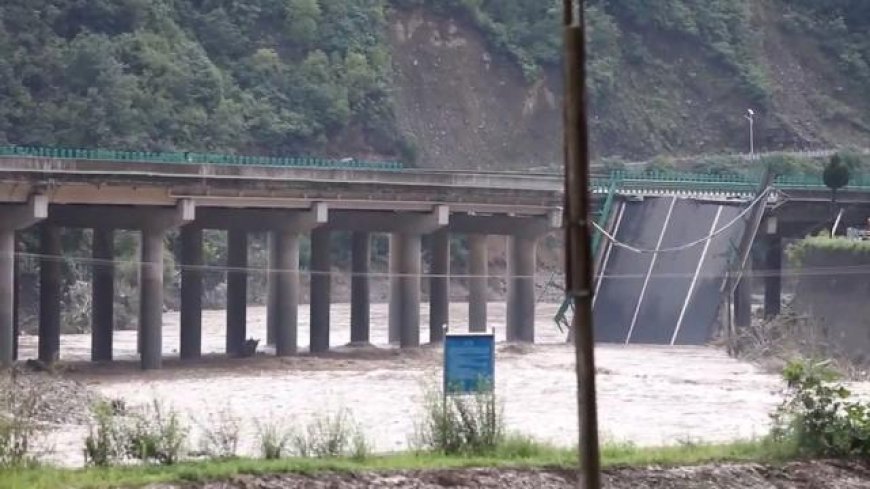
(803, 475)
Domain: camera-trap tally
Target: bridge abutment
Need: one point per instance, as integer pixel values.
(102, 294)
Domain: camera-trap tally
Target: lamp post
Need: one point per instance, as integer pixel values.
(750, 115)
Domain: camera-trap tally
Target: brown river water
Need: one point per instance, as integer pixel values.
(647, 395)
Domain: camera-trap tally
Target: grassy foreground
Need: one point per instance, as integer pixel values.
(528, 456)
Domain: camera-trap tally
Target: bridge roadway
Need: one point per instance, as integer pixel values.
(288, 202)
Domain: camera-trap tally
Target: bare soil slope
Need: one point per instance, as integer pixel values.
(465, 106)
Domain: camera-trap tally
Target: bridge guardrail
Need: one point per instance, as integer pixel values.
(195, 158)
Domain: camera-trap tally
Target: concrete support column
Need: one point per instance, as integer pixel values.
(49, 294)
(439, 285)
(191, 293)
(151, 298)
(102, 294)
(773, 278)
(395, 309)
(743, 301)
(272, 289)
(409, 290)
(7, 281)
(359, 288)
(321, 265)
(284, 305)
(477, 283)
(237, 291)
(16, 296)
(521, 253)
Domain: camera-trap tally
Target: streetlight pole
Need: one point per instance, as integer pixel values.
(750, 116)
(577, 243)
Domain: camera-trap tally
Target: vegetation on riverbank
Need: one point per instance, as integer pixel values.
(538, 456)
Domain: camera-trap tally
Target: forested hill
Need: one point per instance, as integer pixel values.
(447, 83)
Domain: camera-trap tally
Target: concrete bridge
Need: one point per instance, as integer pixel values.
(154, 194)
(285, 201)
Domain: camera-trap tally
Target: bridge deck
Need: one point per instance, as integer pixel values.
(668, 297)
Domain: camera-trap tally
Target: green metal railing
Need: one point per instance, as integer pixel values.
(195, 158)
(722, 182)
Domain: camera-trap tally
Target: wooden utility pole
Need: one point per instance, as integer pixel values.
(578, 250)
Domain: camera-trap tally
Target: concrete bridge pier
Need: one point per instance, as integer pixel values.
(439, 288)
(13, 217)
(283, 308)
(773, 277)
(102, 294)
(521, 254)
(395, 310)
(151, 298)
(16, 296)
(237, 291)
(405, 271)
(359, 288)
(191, 293)
(49, 293)
(154, 229)
(743, 301)
(321, 280)
(407, 298)
(477, 283)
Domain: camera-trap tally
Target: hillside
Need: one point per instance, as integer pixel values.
(455, 83)
(440, 83)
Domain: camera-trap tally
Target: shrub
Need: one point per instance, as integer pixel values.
(331, 436)
(105, 443)
(19, 427)
(220, 437)
(817, 415)
(471, 425)
(156, 434)
(273, 436)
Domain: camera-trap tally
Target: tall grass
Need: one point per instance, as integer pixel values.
(460, 424)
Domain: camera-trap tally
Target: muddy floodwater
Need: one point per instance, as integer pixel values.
(647, 395)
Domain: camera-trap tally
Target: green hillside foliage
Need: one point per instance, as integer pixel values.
(265, 76)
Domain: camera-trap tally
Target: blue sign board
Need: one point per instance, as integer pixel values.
(469, 363)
